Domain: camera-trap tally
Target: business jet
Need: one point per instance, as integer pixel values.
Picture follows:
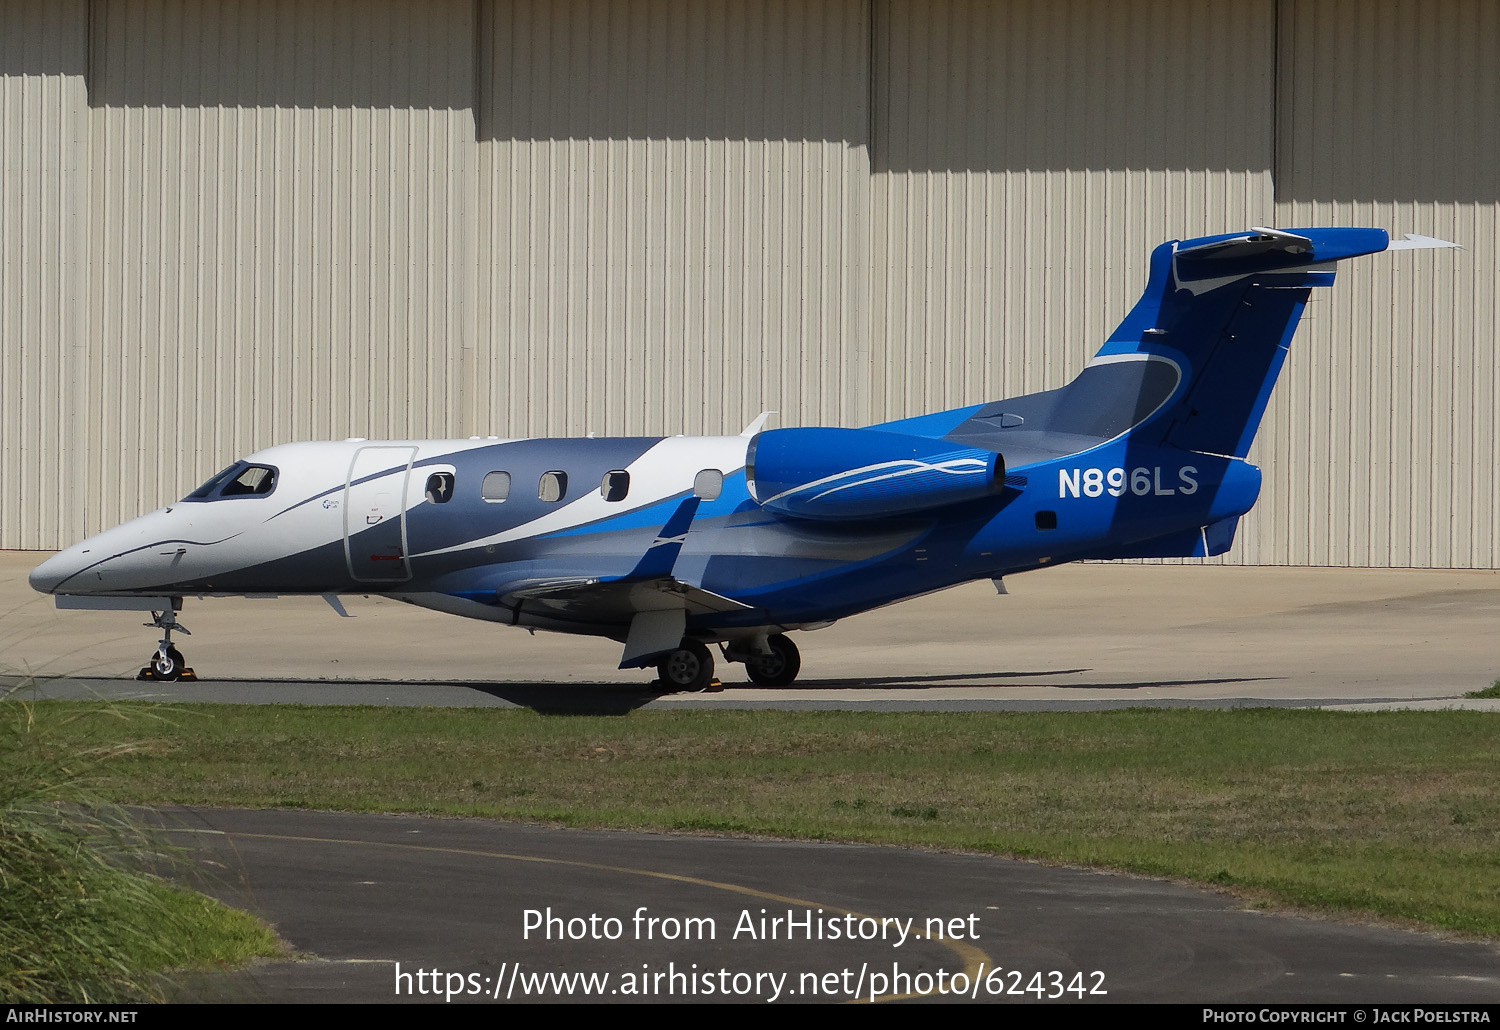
(669, 545)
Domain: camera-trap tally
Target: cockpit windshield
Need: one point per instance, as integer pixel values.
(238, 480)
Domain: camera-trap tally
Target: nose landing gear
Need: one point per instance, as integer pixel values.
(167, 662)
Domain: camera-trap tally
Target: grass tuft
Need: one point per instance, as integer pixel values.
(82, 917)
(1493, 690)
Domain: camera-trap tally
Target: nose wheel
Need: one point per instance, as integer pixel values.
(166, 663)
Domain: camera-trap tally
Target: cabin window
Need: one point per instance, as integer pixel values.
(496, 487)
(553, 487)
(708, 484)
(440, 488)
(615, 486)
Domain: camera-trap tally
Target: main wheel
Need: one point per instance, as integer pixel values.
(778, 668)
(690, 667)
(168, 664)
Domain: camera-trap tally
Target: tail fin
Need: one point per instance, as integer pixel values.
(1192, 365)
(1223, 310)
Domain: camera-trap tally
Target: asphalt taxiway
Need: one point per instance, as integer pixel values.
(501, 913)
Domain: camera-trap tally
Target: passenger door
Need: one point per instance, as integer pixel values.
(375, 514)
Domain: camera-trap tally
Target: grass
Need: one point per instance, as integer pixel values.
(1493, 690)
(82, 917)
(1391, 814)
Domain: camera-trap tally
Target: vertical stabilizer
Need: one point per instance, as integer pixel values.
(1223, 310)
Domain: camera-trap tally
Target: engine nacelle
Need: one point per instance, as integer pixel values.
(864, 473)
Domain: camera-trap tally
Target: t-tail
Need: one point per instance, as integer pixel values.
(1221, 312)
(1143, 454)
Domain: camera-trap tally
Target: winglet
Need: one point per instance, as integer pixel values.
(758, 424)
(1415, 242)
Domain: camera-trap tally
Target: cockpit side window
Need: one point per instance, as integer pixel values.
(201, 494)
(238, 480)
(257, 480)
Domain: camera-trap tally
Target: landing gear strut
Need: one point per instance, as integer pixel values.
(167, 662)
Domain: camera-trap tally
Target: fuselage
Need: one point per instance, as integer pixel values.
(470, 526)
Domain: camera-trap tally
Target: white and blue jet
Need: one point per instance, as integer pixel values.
(671, 544)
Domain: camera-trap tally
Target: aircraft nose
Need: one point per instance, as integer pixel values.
(120, 559)
(49, 575)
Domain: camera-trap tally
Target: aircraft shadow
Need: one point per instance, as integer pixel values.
(909, 682)
(614, 699)
(935, 682)
(1164, 683)
(574, 699)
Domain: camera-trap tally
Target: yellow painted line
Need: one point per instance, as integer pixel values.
(974, 960)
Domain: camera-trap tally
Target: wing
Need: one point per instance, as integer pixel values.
(616, 600)
(654, 602)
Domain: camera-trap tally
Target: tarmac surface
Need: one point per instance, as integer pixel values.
(1075, 636)
(356, 895)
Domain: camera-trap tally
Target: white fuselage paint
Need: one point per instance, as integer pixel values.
(314, 502)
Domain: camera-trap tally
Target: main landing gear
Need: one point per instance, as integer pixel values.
(778, 667)
(691, 666)
(167, 662)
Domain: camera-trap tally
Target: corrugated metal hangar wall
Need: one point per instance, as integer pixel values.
(233, 223)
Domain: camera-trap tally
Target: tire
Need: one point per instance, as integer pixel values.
(690, 667)
(780, 667)
(168, 664)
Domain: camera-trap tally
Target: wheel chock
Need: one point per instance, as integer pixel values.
(150, 674)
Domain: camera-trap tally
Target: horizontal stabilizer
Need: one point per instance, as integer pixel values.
(1415, 242)
(1213, 261)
